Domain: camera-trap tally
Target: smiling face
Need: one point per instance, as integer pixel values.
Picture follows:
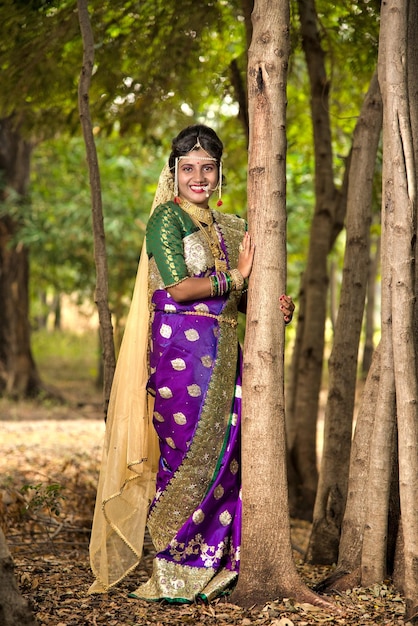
(197, 177)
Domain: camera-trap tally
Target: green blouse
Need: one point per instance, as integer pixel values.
(177, 249)
(166, 230)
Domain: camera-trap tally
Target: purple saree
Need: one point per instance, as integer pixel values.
(195, 376)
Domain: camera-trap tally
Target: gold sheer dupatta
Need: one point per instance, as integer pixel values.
(130, 452)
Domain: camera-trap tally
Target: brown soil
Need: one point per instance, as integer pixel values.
(43, 445)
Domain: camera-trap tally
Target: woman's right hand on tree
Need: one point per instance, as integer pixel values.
(246, 255)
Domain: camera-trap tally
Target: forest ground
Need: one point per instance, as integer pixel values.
(49, 460)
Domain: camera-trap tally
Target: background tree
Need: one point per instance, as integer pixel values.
(308, 367)
(382, 497)
(42, 98)
(400, 198)
(18, 374)
(14, 610)
(99, 237)
(332, 487)
(329, 125)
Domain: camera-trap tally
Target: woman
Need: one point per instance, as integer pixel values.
(198, 260)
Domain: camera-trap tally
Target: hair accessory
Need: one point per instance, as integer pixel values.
(197, 145)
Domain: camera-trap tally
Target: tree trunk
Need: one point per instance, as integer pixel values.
(396, 404)
(369, 324)
(400, 196)
(18, 373)
(348, 571)
(413, 99)
(376, 501)
(100, 257)
(309, 370)
(332, 487)
(267, 569)
(14, 610)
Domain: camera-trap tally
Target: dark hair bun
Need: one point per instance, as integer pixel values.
(190, 136)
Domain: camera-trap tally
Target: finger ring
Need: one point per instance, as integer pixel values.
(241, 247)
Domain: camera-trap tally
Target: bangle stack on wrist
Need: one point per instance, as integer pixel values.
(223, 282)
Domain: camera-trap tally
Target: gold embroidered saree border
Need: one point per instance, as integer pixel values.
(183, 584)
(189, 484)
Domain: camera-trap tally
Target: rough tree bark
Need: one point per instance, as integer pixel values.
(399, 186)
(267, 569)
(332, 486)
(369, 322)
(18, 374)
(100, 257)
(302, 445)
(14, 610)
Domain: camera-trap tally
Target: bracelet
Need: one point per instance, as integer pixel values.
(237, 280)
(212, 286)
(221, 283)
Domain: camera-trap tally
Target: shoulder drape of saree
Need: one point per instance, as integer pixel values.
(130, 454)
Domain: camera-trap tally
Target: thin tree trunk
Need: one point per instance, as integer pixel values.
(309, 370)
(348, 570)
(374, 549)
(101, 294)
(400, 192)
(370, 308)
(332, 487)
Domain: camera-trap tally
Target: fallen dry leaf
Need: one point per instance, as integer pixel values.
(43, 445)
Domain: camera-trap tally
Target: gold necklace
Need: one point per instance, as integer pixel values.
(202, 216)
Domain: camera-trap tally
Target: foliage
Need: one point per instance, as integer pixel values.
(41, 496)
(159, 66)
(140, 48)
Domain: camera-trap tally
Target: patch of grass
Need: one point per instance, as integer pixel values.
(66, 356)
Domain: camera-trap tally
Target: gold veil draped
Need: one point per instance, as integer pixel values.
(130, 452)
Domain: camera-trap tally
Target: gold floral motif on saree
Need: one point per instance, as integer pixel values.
(198, 546)
(178, 364)
(189, 484)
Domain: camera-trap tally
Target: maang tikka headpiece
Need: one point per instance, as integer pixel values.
(197, 146)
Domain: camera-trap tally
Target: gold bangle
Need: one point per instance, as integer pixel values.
(212, 287)
(237, 279)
